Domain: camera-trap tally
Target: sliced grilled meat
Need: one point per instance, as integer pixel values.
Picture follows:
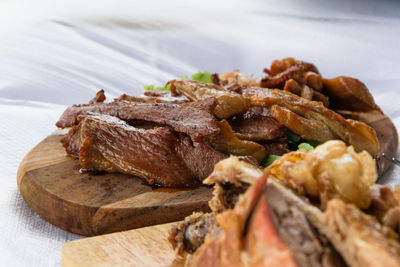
(280, 65)
(194, 118)
(295, 72)
(236, 80)
(229, 103)
(153, 98)
(256, 125)
(355, 133)
(306, 91)
(277, 147)
(227, 142)
(99, 98)
(349, 94)
(156, 155)
(287, 69)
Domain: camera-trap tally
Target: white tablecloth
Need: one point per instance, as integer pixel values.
(53, 54)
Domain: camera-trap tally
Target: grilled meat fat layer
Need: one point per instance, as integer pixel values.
(107, 143)
(194, 118)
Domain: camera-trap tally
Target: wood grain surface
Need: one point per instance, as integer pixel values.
(91, 204)
(385, 131)
(150, 247)
(146, 247)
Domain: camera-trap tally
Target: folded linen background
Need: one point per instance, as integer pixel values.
(53, 54)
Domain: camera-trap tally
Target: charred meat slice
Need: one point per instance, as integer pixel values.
(307, 128)
(305, 91)
(162, 98)
(355, 133)
(157, 93)
(157, 155)
(72, 141)
(229, 103)
(194, 118)
(349, 94)
(290, 69)
(293, 87)
(295, 72)
(277, 147)
(111, 145)
(280, 65)
(199, 157)
(227, 142)
(99, 98)
(257, 124)
(236, 80)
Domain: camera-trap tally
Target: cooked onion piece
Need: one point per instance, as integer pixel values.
(354, 133)
(331, 170)
(227, 142)
(229, 103)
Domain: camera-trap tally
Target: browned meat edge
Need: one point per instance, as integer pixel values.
(106, 143)
(195, 118)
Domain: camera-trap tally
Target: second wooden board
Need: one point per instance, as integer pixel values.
(146, 247)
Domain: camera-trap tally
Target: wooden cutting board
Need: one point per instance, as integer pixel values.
(385, 131)
(147, 247)
(91, 204)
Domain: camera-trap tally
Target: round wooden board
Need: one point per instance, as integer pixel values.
(385, 131)
(93, 204)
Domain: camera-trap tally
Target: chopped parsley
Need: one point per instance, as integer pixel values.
(269, 160)
(151, 87)
(202, 76)
(295, 141)
(305, 146)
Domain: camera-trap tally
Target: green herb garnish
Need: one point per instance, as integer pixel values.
(269, 160)
(151, 87)
(294, 141)
(305, 146)
(202, 76)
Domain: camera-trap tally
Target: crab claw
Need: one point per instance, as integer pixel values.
(223, 247)
(262, 242)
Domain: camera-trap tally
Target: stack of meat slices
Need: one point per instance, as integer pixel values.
(173, 139)
(319, 208)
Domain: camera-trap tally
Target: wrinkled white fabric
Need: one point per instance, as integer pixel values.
(53, 54)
